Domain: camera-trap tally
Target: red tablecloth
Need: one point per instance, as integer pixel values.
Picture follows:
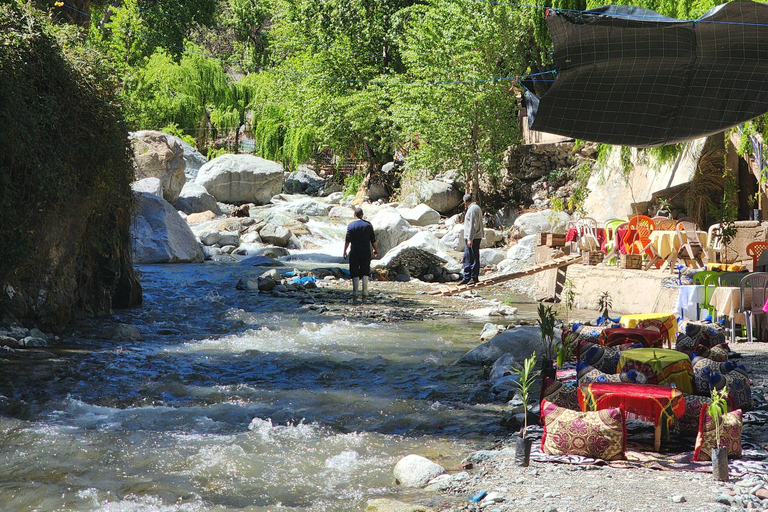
(573, 236)
(649, 402)
(620, 234)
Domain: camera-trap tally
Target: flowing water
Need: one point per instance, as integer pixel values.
(235, 400)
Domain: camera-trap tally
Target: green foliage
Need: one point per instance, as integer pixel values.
(604, 303)
(666, 154)
(726, 212)
(526, 377)
(352, 183)
(547, 320)
(569, 297)
(216, 152)
(717, 409)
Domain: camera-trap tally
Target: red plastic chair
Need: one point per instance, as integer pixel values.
(638, 239)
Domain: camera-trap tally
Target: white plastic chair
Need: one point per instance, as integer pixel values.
(758, 282)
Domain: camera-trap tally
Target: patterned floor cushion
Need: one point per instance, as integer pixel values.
(708, 373)
(737, 383)
(719, 353)
(560, 393)
(730, 435)
(686, 344)
(587, 374)
(706, 333)
(689, 422)
(598, 434)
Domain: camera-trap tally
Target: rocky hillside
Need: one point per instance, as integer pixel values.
(64, 181)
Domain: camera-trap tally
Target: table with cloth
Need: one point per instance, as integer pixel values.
(667, 243)
(666, 323)
(689, 299)
(662, 366)
(659, 405)
(727, 302)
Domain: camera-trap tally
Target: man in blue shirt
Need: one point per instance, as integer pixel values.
(361, 238)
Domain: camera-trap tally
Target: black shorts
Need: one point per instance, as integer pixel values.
(359, 266)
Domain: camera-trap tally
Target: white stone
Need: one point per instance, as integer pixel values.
(545, 221)
(193, 159)
(277, 235)
(439, 195)
(160, 235)
(490, 257)
(521, 342)
(390, 229)
(455, 238)
(241, 178)
(195, 198)
(148, 185)
(416, 471)
(420, 215)
(341, 212)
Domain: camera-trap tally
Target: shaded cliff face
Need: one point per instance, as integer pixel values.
(65, 174)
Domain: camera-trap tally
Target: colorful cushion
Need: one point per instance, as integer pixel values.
(708, 373)
(737, 383)
(598, 434)
(560, 394)
(686, 344)
(706, 333)
(719, 353)
(688, 423)
(730, 435)
(587, 374)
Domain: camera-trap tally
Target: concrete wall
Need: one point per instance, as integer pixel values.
(632, 291)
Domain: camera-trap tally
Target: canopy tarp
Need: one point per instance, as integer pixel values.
(630, 76)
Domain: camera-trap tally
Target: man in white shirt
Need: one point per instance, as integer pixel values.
(473, 234)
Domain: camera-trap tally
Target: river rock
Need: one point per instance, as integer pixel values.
(492, 311)
(278, 218)
(307, 207)
(125, 332)
(489, 331)
(391, 229)
(266, 284)
(199, 218)
(377, 191)
(420, 215)
(334, 198)
(455, 238)
(157, 156)
(274, 234)
(490, 257)
(416, 471)
(521, 342)
(148, 185)
(33, 342)
(389, 505)
(272, 252)
(491, 237)
(545, 221)
(195, 198)
(439, 195)
(341, 212)
(262, 261)
(241, 179)
(160, 235)
(193, 159)
(303, 181)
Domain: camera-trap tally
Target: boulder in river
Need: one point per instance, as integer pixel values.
(276, 235)
(241, 179)
(420, 215)
(390, 229)
(195, 198)
(521, 342)
(304, 181)
(416, 471)
(157, 156)
(160, 235)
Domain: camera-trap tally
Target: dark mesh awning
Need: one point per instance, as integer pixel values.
(629, 76)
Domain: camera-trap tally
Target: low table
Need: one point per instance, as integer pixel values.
(671, 368)
(659, 405)
(668, 323)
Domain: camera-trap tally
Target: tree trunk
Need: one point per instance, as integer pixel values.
(476, 163)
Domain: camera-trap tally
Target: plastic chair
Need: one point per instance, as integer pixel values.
(640, 241)
(716, 249)
(664, 223)
(730, 278)
(708, 279)
(758, 282)
(755, 249)
(611, 227)
(588, 234)
(690, 249)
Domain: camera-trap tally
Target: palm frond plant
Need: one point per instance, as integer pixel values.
(717, 410)
(604, 304)
(526, 377)
(547, 321)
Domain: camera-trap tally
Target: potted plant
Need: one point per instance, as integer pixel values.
(717, 410)
(663, 210)
(604, 304)
(547, 320)
(526, 377)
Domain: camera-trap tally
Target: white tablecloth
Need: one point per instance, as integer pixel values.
(688, 301)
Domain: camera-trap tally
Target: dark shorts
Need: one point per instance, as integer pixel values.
(359, 266)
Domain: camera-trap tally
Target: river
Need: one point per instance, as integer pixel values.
(234, 401)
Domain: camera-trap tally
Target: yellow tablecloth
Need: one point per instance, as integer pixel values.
(668, 323)
(670, 367)
(667, 243)
(730, 267)
(727, 302)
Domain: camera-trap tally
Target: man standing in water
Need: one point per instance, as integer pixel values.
(473, 234)
(361, 237)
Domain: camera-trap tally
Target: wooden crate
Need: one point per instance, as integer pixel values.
(592, 257)
(633, 261)
(550, 239)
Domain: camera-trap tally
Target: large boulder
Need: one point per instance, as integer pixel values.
(416, 471)
(439, 195)
(521, 342)
(545, 221)
(193, 159)
(307, 207)
(390, 229)
(157, 156)
(455, 238)
(304, 181)
(420, 215)
(276, 235)
(160, 235)
(195, 199)
(241, 179)
(490, 257)
(148, 185)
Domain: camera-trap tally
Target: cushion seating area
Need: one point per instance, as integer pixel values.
(730, 435)
(599, 434)
(560, 393)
